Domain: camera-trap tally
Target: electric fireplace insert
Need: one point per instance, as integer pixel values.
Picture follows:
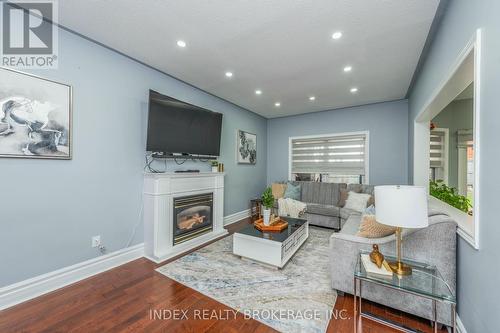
(193, 217)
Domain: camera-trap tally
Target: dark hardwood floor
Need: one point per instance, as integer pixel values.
(122, 300)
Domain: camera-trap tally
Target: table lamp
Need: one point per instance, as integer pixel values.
(401, 207)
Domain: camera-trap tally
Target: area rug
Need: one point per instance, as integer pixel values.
(297, 298)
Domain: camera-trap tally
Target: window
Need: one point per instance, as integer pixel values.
(341, 158)
(439, 139)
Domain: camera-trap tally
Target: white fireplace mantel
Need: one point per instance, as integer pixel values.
(160, 189)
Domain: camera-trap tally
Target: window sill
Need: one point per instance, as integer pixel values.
(465, 221)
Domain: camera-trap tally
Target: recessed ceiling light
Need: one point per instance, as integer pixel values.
(354, 90)
(347, 68)
(312, 98)
(229, 74)
(277, 104)
(181, 43)
(258, 92)
(336, 35)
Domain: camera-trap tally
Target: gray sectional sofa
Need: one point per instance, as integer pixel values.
(435, 245)
(324, 204)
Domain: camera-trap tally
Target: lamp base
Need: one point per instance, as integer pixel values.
(400, 268)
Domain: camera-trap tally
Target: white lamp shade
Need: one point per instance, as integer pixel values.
(402, 206)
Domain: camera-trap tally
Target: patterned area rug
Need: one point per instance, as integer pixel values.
(297, 298)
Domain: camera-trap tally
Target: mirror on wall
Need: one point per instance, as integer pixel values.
(446, 142)
(451, 169)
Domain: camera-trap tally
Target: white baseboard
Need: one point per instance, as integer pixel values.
(236, 217)
(25, 290)
(460, 326)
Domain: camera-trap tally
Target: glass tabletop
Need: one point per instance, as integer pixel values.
(425, 279)
(293, 225)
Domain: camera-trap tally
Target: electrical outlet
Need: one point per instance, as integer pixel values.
(96, 241)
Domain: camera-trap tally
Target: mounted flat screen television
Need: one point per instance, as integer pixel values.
(176, 127)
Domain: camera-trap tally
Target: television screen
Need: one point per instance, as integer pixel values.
(178, 127)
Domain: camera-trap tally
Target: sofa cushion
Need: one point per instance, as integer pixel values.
(351, 226)
(346, 212)
(344, 193)
(361, 188)
(321, 193)
(319, 209)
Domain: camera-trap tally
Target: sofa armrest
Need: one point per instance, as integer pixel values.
(435, 245)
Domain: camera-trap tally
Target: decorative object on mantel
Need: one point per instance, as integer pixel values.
(402, 207)
(215, 166)
(268, 202)
(276, 225)
(35, 116)
(221, 167)
(376, 257)
(255, 208)
(246, 152)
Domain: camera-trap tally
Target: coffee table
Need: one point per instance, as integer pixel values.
(272, 248)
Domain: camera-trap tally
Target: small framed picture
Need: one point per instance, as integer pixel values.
(246, 152)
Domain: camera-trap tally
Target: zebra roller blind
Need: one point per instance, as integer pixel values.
(335, 155)
(437, 149)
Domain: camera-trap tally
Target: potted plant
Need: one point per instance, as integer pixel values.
(443, 192)
(215, 166)
(268, 202)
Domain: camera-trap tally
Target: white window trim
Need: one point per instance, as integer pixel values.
(468, 228)
(446, 151)
(367, 149)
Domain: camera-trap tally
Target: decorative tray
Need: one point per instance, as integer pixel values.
(277, 225)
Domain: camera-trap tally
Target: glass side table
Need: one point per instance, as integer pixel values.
(425, 281)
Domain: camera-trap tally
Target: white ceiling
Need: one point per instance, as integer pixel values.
(283, 47)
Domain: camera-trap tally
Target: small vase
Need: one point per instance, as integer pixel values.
(215, 169)
(267, 216)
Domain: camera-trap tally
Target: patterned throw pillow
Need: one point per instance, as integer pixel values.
(278, 190)
(357, 201)
(370, 228)
(292, 191)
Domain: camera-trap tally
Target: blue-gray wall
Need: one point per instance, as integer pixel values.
(386, 122)
(51, 208)
(478, 270)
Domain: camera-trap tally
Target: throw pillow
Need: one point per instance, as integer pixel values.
(344, 193)
(278, 190)
(357, 201)
(370, 210)
(343, 197)
(370, 228)
(292, 191)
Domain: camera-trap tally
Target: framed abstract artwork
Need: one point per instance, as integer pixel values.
(246, 148)
(35, 116)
